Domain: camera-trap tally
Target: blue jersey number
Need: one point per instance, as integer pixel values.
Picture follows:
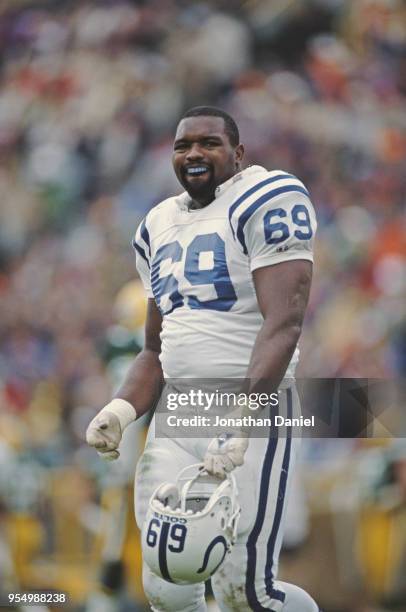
(278, 231)
(166, 284)
(216, 275)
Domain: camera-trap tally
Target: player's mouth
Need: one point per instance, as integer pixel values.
(196, 171)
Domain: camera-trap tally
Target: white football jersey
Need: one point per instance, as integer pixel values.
(198, 266)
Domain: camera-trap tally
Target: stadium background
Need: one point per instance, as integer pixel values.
(90, 94)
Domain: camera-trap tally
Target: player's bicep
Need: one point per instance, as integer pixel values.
(153, 327)
(283, 292)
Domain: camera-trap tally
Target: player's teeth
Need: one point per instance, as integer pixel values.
(199, 170)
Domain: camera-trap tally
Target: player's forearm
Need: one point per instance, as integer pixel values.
(271, 355)
(143, 383)
(138, 394)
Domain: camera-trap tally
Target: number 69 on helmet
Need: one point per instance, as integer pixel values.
(190, 526)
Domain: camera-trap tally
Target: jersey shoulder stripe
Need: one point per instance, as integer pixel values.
(252, 190)
(246, 205)
(142, 241)
(140, 250)
(257, 204)
(145, 234)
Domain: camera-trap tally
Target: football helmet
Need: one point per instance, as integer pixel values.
(190, 526)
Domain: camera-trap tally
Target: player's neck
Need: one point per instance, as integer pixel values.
(197, 204)
(202, 202)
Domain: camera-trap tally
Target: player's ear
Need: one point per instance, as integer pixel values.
(238, 155)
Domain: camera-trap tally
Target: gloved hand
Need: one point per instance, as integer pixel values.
(105, 431)
(224, 454)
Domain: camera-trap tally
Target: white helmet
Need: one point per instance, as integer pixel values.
(190, 526)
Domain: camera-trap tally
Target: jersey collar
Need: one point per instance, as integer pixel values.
(238, 177)
(183, 199)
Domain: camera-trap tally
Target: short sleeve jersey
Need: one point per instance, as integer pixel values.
(198, 264)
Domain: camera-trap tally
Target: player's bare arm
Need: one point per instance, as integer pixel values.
(282, 292)
(138, 393)
(143, 383)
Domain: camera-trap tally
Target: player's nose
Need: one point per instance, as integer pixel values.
(194, 153)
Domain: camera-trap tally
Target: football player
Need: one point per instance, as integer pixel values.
(227, 267)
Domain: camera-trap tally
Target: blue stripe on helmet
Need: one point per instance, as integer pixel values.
(163, 541)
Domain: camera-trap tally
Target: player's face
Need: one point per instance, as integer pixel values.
(203, 156)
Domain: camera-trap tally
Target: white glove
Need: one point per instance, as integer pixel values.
(106, 429)
(223, 455)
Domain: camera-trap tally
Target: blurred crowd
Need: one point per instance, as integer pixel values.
(90, 95)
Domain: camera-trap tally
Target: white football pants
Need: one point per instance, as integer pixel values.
(247, 579)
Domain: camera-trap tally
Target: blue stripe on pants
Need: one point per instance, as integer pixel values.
(279, 507)
(259, 522)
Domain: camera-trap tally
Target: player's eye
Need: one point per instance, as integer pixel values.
(180, 146)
